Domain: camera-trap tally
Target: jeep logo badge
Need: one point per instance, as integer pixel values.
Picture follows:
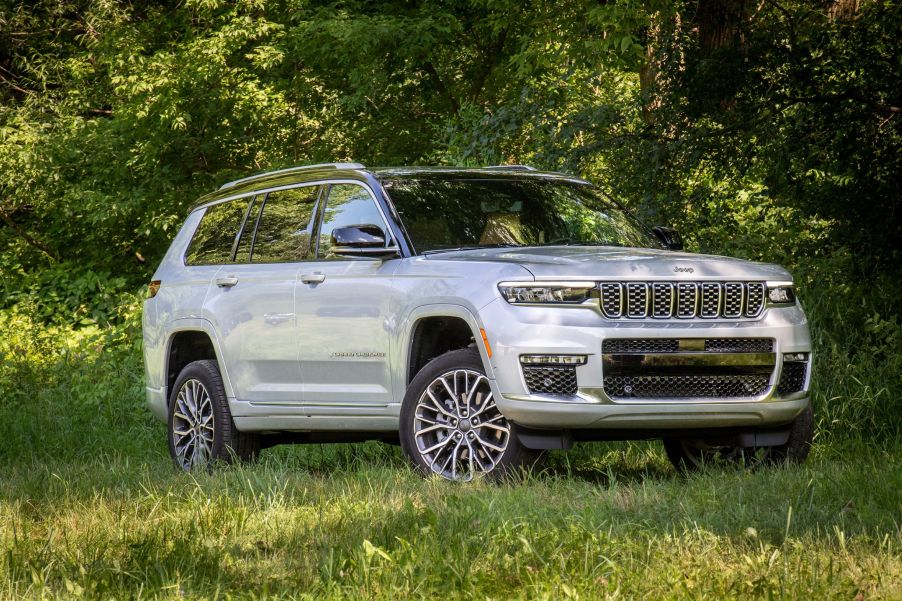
(679, 269)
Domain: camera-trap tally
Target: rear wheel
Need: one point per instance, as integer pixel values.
(450, 424)
(201, 429)
(691, 454)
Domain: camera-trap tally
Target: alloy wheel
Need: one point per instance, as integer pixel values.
(458, 429)
(193, 425)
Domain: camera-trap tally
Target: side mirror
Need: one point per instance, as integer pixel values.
(366, 240)
(669, 236)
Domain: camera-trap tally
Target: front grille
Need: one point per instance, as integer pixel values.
(672, 345)
(792, 379)
(551, 380)
(688, 386)
(682, 300)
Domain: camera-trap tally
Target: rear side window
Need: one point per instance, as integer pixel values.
(285, 225)
(215, 235)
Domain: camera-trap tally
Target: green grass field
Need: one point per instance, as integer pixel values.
(90, 506)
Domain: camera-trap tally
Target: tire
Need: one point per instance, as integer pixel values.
(460, 436)
(207, 435)
(690, 455)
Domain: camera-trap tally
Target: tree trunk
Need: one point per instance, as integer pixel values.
(719, 25)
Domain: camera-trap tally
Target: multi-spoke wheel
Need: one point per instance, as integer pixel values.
(193, 426)
(201, 430)
(692, 454)
(450, 424)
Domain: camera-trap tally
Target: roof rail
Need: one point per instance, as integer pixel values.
(292, 170)
(512, 167)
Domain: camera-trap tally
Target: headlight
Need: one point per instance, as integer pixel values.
(569, 293)
(781, 294)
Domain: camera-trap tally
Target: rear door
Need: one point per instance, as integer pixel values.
(253, 297)
(343, 306)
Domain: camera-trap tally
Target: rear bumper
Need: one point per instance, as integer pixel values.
(156, 402)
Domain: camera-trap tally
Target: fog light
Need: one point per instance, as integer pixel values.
(794, 357)
(553, 359)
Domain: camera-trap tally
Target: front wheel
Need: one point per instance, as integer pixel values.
(450, 424)
(691, 454)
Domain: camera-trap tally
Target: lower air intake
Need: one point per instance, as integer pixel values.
(689, 386)
(792, 379)
(551, 380)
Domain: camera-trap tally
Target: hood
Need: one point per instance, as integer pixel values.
(602, 262)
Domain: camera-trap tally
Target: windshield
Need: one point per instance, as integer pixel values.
(444, 213)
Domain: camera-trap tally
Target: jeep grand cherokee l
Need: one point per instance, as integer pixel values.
(478, 316)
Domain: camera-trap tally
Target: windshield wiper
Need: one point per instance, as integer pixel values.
(579, 243)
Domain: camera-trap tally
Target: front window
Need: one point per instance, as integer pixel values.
(348, 204)
(443, 213)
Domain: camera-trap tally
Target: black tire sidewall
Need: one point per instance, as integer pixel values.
(207, 373)
(794, 451)
(515, 455)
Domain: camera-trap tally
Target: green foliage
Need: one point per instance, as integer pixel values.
(769, 131)
(91, 506)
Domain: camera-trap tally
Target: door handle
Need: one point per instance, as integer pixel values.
(275, 319)
(313, 278)
(227, 282)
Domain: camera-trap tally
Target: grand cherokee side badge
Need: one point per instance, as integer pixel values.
(357, 355)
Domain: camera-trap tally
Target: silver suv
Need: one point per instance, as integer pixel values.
(476, 316)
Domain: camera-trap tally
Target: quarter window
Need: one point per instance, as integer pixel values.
(348, 204)
(283, 231)
(215, 235)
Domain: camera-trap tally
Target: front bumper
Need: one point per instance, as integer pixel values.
(514, 331)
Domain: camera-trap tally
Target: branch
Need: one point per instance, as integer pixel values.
(7, 218)
(885, 108)
(490, 63)
(440, 86)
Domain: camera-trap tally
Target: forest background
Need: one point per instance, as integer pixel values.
(763, 129)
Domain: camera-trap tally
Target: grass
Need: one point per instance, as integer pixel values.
(90, 506)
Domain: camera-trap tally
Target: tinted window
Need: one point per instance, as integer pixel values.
(215, 235)
(283, 231)
(348, 204)
(243, 254)
(443, 213)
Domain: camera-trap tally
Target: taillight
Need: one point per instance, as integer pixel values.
(153, 288)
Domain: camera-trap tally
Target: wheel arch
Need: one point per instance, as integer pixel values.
(414, 349)
(191, 340)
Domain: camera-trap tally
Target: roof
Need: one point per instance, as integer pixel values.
(303, 173)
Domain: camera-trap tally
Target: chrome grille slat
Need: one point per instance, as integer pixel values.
(710, 300)
(754, 299)
(662, 300)
(636, 300)
(687, 300)
(682, 300)
(612, 299)
(732, 299)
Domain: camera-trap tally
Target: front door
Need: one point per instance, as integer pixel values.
(343, 305)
